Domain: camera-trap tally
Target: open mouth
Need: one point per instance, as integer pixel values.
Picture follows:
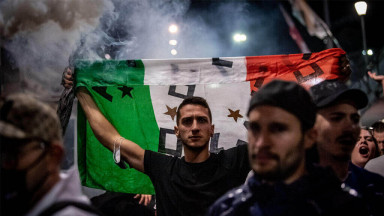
(363, 150)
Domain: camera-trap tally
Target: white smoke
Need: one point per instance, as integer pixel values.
(42, 34)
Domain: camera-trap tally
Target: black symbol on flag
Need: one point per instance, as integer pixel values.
(102, 90)
(215, 143)
(163, 141)
(220, 62)
(126, 91)
(190, 92)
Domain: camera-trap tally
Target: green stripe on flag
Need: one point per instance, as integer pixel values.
(109, 73)
(125, 102)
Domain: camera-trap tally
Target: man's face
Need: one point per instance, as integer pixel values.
(380, 141)
(338, 131)
(364, 150)
(194, 126)
(276, 144)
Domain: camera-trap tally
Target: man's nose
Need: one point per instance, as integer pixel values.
(195, 126)
(351, 126)
(262, 140)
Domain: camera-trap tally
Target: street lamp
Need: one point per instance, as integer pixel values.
(361, 9)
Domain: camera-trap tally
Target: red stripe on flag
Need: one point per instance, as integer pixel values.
(306, 69)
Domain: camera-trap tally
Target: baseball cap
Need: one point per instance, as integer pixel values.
(24, 117)
(289, 96)
(328, 92)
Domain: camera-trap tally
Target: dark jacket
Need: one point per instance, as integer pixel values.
(317, 193)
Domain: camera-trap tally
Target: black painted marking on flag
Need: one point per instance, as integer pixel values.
(175, 68)
(102, 90)
(125, 91)
(220, 62)
(190, 91)
(241, 142)
(215, 143)
(131, 63)
(317, 72)
(258, 83)
(307, 56)
(163, 141)
(246, 124)
(263, 68)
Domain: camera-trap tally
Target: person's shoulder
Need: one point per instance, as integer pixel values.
(234, 157)
(159, 155)
(365, 173)
(376, 165)
(364, 178)
(379, 161)
(229, 200)
(159, 162)
(239, 149)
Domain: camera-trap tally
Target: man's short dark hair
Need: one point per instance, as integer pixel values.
(378, 126)
(194, 101)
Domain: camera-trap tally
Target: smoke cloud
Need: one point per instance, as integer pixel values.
(41, 35)
(45, 36)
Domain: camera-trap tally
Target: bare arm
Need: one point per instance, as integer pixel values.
(378, 78)
(106, 133)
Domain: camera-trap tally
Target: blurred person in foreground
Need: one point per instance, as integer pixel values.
(365, 149)
(280, 131)
(338, 130)
(31, 154)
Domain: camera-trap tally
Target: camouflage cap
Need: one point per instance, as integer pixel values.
(24, 117)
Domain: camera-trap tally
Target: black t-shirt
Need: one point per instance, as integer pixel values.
(184, 188)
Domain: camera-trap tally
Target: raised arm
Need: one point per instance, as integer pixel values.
(378, 78)
(107, 134)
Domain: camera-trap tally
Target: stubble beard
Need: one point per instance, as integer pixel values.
(280, 173)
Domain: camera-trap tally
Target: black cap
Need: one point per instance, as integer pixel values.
(328, 92)
(289, 96)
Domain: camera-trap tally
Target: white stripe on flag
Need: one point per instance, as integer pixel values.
(194, 71)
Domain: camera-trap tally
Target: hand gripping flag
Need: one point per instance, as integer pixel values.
(140, 98)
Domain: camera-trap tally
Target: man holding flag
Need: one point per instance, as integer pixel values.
(186, 186)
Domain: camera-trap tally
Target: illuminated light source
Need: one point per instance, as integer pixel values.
(239, 37)
(370, 52)
(361, 7)
(107, 56)
(174, 52)
(173, 28)
(173, 42)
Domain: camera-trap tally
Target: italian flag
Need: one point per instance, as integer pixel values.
(140, 98)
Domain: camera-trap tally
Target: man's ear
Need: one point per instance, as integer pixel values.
(310, 137)
(177, 133)
(212, 130)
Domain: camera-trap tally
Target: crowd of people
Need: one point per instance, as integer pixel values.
(311, 157)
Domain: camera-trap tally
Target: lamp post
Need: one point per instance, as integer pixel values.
(361, 9)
